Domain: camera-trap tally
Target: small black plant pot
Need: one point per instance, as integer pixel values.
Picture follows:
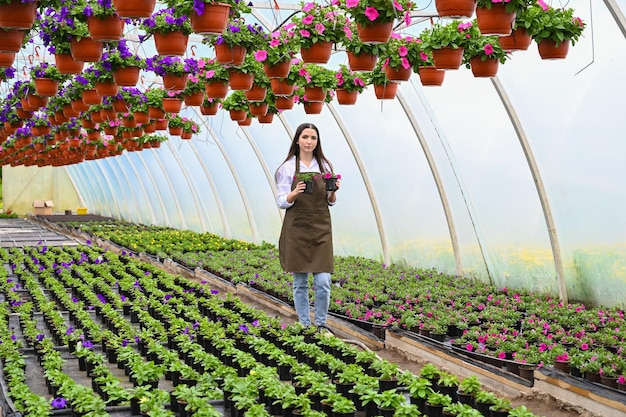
(308, 187)
(331, 184)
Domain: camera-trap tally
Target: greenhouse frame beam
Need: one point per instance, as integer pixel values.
(617, 14)
(366, 182)
(158, 194)
(438, 182)
(143, 189)
(183, 224)
(541, 190)
(192, 186)
(240, 188)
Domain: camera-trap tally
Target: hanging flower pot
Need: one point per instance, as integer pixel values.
(375, 32)
(141, 117)
(194, 99)
(110, 130)
(108, 114)
(258, 109)
(46, 87)
(486, 68)
(229, 55)
(245, 122)
(256, 93)
(209, 108)
(156, 113)
(186, 135)
(66, 64)
(313, 107)
(212, 20)
(216, 89)
(36, 101)
(549, 50)
(284, 102)
(313, 93)
(518, 40)
(362, 61)
(448, 58)
(79, 106)
(172, 105)
(126, 76)
(268, 118)
(240, 80)
(174, 81)
(96, 116)
(386, 91)
(105, 28)
(6, 59)
(281, 87)
(398, 73)
(91, 97)
(236, 115)
(160, 124)
(18, 15)
(175, 131)
(106, 88)
(11, 40)
(431, 76)
(346, 97)
(280, 70)
(455, 8)
(171, 43)
(133, 9)
(317, 53)
(86, 49)
(495, 21)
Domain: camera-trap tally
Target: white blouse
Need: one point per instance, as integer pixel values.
(284, 178)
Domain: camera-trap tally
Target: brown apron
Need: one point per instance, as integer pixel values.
(306, 243)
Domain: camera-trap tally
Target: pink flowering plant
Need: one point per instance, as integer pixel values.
(455, 34)
(320, 24)
(350, 80)
(511, 5)
(368, 12)
(280, 46)
(403, 51)
(556, 24)
(352, 43)
(315, 75)
(212, 71)
(485, 47)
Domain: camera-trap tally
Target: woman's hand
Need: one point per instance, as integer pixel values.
(293, 195)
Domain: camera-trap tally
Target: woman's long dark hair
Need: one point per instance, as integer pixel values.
(318, 154)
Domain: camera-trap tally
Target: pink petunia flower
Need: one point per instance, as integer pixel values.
(350, 4)
(371, 13)
(488, 49)
(260, 55)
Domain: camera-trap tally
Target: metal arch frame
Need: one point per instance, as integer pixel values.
(617, 14)
(191, 187)
(152, 180)
(468, 206)
(108, 184)
(438, 181)
(115, 172)
(541, 190)
(218, 200)
(366, 180)
(242, 193)
(145, 192)
(171, 187)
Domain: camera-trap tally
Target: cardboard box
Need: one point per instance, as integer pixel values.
(81, 210)
(42, 207)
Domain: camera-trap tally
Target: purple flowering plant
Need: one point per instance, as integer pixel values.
(98, 8)
(162, 65)
(238, 32)
(7, 73)
(100, 71)
(166, 21)
(237, 7)
(121, 56)
(45, 70)
(319, 23)
(57, 27)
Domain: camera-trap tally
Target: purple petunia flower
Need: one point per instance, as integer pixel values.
(58, 403)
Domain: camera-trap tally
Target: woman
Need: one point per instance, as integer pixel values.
(306, 244)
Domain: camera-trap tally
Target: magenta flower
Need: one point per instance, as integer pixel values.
(371, 13)
(350, 4)
(584, 346)
(308, 20)
(488, 49)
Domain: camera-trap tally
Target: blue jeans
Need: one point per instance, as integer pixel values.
(321, 285)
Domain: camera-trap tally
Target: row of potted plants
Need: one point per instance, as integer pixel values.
(213, 347)
(478, 320)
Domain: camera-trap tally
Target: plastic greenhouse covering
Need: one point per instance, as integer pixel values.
(516, 180)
